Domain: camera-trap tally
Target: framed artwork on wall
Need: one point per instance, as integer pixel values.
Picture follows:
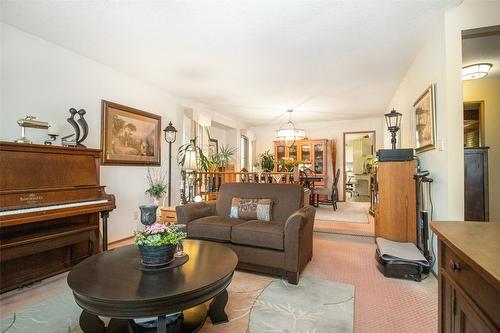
(425, 121)
(213, 146)
(129, 136)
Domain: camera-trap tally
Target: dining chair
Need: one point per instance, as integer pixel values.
(332, 193)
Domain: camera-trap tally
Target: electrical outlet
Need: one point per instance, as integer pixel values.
(136, 215)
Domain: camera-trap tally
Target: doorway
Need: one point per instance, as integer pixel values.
(359, 154)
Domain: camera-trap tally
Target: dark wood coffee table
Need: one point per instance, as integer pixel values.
(112, 284)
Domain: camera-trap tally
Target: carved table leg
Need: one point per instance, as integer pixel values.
(216, 309)
(90, 323)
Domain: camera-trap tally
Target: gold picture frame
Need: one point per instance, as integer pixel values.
(425, 121)
(129, 136)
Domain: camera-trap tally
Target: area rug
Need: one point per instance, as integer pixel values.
(314, 305)
(353, 212)
(36, 313)
(58, 314)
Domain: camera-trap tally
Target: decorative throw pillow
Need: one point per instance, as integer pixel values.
(251, 209)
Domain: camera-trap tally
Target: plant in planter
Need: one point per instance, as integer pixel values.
(369, 164)
(157, 243)
(224, 155)
(157, 182)
(267, 161)
(202, 160)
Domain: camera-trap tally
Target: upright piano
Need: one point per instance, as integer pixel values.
(50, 202)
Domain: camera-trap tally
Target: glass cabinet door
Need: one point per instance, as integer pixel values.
(292, 153)
(280, 155)
(305, 153)
(319, 163)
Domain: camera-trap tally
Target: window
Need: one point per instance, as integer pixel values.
(245, 153)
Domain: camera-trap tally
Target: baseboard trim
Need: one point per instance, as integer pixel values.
(120, 240)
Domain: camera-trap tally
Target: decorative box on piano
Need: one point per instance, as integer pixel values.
(50, 202)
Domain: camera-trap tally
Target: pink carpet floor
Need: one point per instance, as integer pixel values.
(381, 304)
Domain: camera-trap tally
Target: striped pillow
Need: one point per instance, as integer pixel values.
(251, 209)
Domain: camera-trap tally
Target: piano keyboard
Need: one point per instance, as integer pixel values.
(53, 207)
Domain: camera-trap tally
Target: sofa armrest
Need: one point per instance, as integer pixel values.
(193, 211)
(299, 238)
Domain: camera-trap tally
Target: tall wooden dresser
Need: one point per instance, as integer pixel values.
(476, 184)
(469, 276)
(395, 202)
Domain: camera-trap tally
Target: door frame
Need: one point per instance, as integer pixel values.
(481, 121)
(374, 132)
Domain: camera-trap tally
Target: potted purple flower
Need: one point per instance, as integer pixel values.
(157, 243)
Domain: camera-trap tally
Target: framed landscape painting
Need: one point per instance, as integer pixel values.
(129, 136)
(425, 127)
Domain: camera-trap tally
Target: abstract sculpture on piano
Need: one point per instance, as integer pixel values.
(84, 130)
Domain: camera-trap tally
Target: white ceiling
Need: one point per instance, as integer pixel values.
(483, 49)
(329, 60)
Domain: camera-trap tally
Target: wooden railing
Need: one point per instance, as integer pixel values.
(207, 184)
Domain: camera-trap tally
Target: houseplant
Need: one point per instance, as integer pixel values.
(267, 161)
(223, 157)
(157, 243)
(157, 182)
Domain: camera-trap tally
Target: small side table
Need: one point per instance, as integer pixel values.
(168, 215)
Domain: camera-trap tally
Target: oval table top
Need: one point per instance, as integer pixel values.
(112, 284)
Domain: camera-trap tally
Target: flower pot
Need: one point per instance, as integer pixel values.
(148, 214)
(157, 255)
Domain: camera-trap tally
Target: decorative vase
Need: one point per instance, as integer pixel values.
(148, 214)
(155, 256)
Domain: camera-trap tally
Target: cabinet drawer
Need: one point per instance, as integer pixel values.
(483, 294)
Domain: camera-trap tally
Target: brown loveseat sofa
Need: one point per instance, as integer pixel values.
(282, 246)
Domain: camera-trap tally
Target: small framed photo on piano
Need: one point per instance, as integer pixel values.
(129, 136)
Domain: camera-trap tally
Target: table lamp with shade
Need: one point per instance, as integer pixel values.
(190, 166)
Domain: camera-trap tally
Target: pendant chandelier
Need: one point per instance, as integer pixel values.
(288, 133)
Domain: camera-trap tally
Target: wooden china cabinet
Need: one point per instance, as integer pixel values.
(312, 154)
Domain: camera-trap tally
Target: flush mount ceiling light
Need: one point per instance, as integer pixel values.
(476, 71)
(288, 133)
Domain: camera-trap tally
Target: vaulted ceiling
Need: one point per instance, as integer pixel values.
(328, 60)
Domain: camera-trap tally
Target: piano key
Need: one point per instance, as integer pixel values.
(52, 207)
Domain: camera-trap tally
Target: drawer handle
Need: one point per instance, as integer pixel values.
(455, 266)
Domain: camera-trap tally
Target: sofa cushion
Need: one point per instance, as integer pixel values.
(251, 209)
(261, 234)
(287, 198)
(212, 227)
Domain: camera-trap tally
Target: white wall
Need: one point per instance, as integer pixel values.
(45, 80)
(265, 135)
(488, 90)
(428, 67)
(439, 61)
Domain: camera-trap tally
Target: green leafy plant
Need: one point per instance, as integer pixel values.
(202, 161)
(287, 165)
(267, 161)
(157, 182)
(158, 235)
(369, 164)
(224, 155)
